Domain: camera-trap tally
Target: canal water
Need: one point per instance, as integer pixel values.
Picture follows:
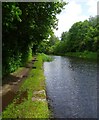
(71, 85)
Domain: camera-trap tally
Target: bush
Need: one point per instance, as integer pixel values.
(46, 57)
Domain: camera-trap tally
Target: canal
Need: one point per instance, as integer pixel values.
(71, 85)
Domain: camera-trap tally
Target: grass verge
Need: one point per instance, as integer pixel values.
(85, 55)
(23, 106)
(46, 57)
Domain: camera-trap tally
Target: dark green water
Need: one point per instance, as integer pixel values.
(72, 87)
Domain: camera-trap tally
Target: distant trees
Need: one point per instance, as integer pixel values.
(47, 46)
(25, 25)
(64, 36)
(80, 37)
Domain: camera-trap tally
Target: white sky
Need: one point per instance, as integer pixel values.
(75, 10)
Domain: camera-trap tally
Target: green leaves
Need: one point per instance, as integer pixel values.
(25, 26)
(80, 37)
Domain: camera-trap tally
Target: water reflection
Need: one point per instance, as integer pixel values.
(71, 86)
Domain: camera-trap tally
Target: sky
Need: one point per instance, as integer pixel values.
(75, 11)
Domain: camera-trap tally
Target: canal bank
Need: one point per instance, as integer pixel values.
(30, 101)
(83, 55)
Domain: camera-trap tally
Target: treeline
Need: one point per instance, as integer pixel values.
(81, 37)
(48, 46)
(25, 25)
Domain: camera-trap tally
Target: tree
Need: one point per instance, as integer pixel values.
(64, 36)
(25, 26)
(82, 36)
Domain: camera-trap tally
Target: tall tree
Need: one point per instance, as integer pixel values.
(25, 25)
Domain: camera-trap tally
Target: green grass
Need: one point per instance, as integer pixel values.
(17, 71)
(85, 54)
(29, 108)
(46, 57)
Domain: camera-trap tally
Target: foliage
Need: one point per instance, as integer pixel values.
(47, 46)
(64, 36)
(80, 37)
(46, 58)
(25, 25)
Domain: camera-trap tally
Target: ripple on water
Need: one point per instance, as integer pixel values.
(71, 87)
